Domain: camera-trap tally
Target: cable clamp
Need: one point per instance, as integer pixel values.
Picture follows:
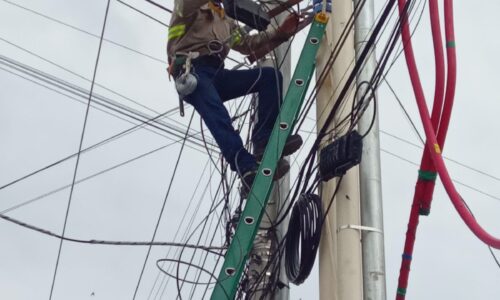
(359, 227)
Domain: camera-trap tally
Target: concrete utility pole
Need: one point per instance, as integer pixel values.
(370, 178)
(264, 244)
(340, 250)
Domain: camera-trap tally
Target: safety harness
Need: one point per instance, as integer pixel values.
(181, 67)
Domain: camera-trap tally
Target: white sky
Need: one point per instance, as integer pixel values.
(38, 127)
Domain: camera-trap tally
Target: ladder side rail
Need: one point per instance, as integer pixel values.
(241, 245)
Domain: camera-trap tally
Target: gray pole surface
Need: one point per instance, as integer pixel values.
(340, 265)
(370, 178)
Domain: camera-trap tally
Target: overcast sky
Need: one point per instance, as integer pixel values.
(39, 126)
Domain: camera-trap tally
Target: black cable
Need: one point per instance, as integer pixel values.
(310, 166)
(310, 160)
(191, 265)
(79, 150)
(91, 147)
(97, 99)
(83, 31)
(384, 16)
(178, 230)
(180, 283)
(162, 208)
(211, 249)
(187, 236)
(455, 181)
(334, 54)
(494, 256)
(95, 35)
(304, 231)
(179, 286)
(212, 210)
(159, 6)
(114, 167)
(445, 157)
(142, 13)
(75, 74)
(405, 112)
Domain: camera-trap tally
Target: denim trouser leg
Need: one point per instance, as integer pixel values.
(267, 82)
(209, 105)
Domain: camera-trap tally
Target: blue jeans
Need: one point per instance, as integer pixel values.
(215, 86)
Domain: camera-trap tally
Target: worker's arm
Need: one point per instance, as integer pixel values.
(268, 40)
(184, 8)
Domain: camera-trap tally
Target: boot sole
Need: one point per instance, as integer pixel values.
(281, 170)
(290, 148)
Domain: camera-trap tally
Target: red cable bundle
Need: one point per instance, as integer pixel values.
(432, 159)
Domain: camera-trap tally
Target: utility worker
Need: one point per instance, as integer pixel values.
(200, 37)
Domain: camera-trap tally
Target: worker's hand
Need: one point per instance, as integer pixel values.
(290, 25)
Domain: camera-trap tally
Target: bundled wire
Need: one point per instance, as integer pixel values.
(435, 127)
(304, 234)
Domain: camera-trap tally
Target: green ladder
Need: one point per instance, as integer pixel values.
(241, 245)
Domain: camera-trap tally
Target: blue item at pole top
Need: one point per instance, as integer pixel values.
(318, 6)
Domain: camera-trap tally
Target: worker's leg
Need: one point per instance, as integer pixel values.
(267, 82)
(208, 104)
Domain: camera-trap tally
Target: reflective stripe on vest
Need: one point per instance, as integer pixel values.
(176, 31)
(236, 37)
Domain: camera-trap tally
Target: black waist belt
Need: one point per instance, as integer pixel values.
(204, 60)
(209, 60)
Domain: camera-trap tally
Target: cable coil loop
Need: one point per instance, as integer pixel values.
(304, 232)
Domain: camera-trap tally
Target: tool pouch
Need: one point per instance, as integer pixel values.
(186, 80)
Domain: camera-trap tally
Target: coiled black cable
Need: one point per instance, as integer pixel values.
(304, 232)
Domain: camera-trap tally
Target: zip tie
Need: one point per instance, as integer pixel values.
(427, 175)
(359, 227)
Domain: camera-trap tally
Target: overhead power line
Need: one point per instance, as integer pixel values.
(159, 5)
(68, 207)
(86, 178)
(445, 157)
(162, 208)
(128, 48)
(454, 180)
(101, 100)
(142, 13)
(108, 242)
(84, 31)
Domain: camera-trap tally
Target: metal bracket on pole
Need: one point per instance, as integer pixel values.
(237, 254)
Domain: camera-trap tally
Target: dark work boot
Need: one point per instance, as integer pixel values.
(292, 144)
(248, 178)
(282, 168)
(246, 182)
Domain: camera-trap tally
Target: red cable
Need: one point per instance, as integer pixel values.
(424, 187)
(449, 97)
(434, 144)
(436, 117)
